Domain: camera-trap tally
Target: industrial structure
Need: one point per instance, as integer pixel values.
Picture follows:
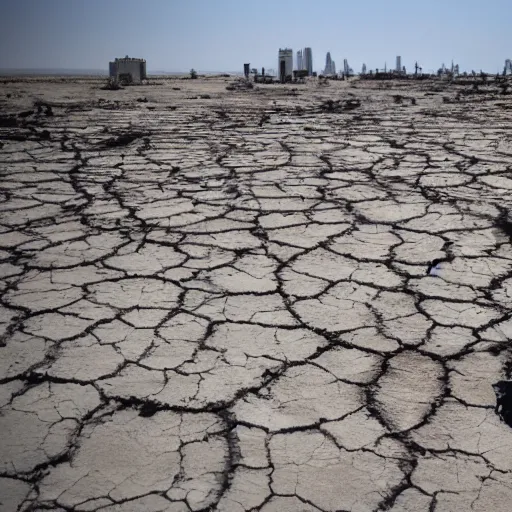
(128, 70)
(330, 65)
(285, 64)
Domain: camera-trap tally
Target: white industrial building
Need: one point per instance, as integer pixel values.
(285, 64)
(128, 70)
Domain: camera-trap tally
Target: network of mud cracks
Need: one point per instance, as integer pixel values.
(254, 300)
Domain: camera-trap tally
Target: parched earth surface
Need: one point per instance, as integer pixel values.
(284, 299)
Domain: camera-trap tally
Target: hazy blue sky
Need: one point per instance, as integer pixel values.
(220, 35)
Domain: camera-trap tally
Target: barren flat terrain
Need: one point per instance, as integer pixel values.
(279, 299)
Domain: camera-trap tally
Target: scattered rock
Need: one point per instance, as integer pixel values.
(26, 113)
(8, 121)
(503, 390)
(123, 139)
(504, 223)
(338, 106)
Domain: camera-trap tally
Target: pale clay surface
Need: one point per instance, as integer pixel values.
(254, 304)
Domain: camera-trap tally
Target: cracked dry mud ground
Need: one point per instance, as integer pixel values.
(244, 302)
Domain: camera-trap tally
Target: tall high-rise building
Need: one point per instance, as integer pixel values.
(398, 64)
(300, 61)
(308, 60)
(346, 68)
(285, 64)
(329, 65)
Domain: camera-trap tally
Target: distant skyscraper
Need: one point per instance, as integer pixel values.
(300, 61)
(328, 65)
(333, 67)
(346, 68)
(363, 70)
(399, 64)
(307, 61)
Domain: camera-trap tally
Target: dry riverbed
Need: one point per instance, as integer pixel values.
(281, 299)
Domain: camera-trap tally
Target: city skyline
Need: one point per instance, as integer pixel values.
(176, 36)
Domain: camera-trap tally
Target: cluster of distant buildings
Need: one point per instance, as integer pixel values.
(285, 67)
(132, 70)
(304, 65)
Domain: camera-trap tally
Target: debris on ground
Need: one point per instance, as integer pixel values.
(240, 85)
(338, 106)
(503, 390)
(112, 85)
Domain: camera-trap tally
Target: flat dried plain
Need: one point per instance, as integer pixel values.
(283, 299)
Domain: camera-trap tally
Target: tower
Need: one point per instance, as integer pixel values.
(346, 68)
(398, 64)
(300, 62)
(328, 64)
(308, 60)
